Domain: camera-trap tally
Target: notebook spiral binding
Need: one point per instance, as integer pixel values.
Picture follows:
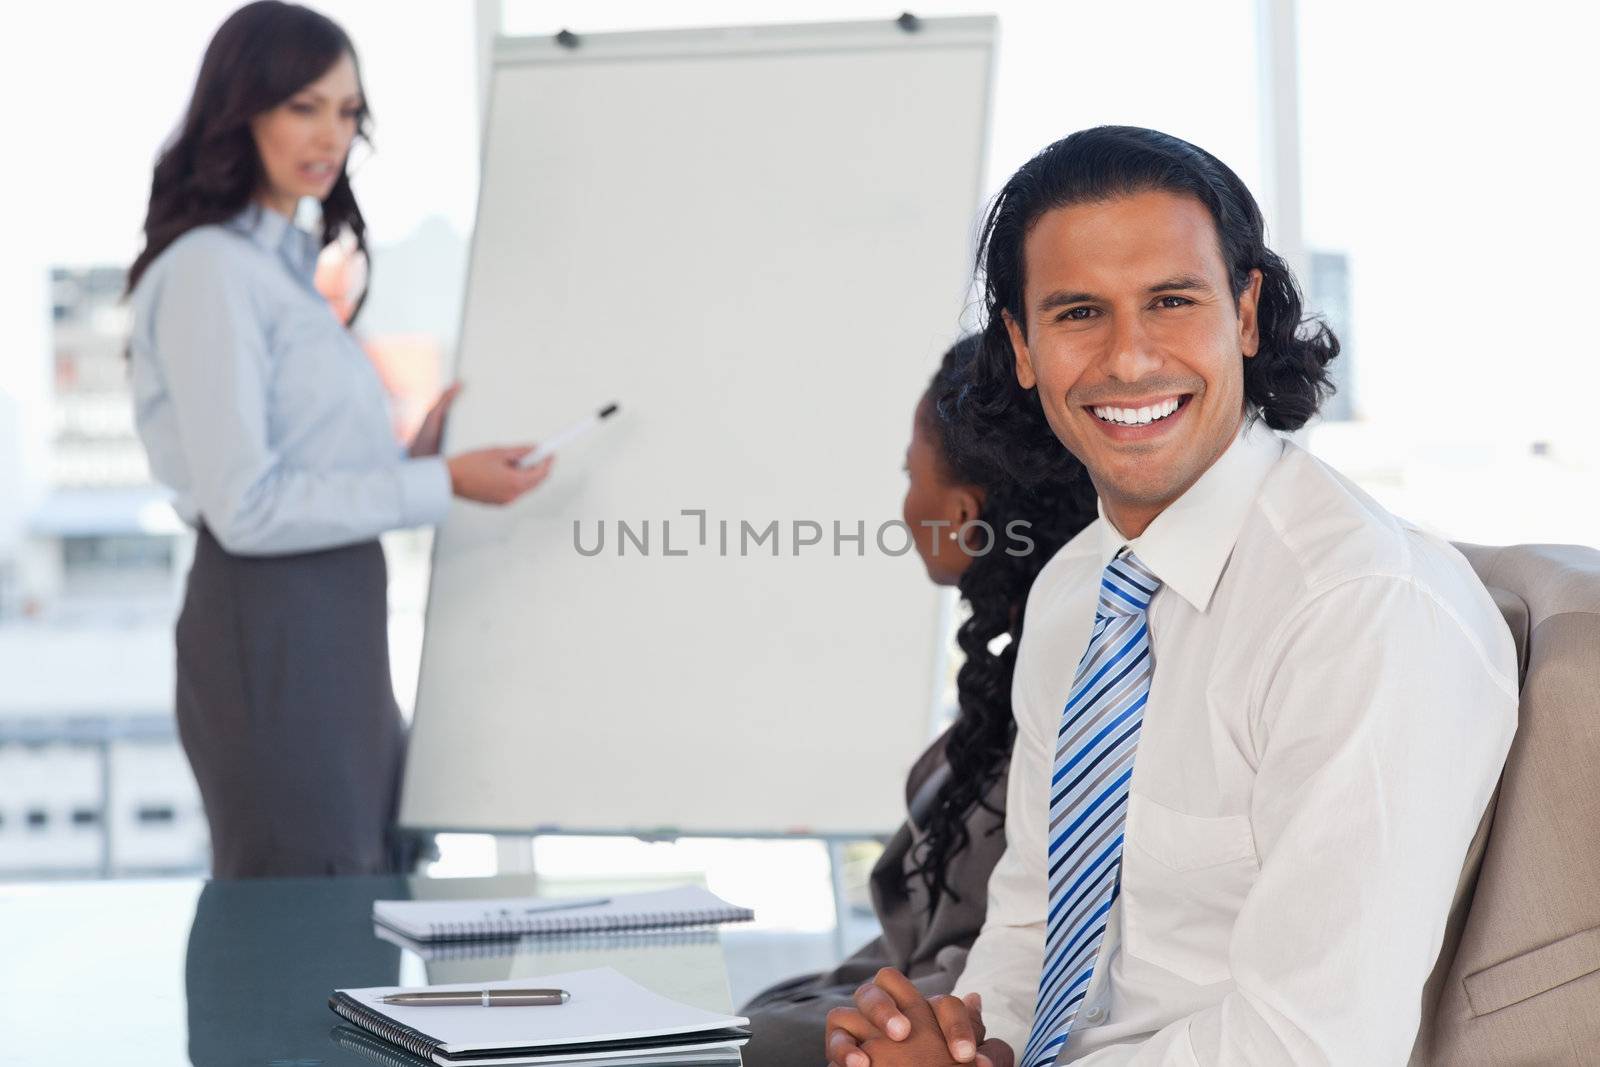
(347, 1038)
(557, 924)
(407, 1038)
(599, 941)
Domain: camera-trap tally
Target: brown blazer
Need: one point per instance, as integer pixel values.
(1518, 980)
(786, 1021)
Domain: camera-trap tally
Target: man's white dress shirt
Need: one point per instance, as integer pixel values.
(1333, 699)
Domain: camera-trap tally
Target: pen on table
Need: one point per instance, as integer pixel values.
(542, 906)
(480, 998)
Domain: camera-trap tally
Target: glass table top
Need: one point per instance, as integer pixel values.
(239, 973)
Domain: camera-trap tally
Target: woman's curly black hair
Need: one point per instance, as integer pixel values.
(1050, 510)
(1287, 379)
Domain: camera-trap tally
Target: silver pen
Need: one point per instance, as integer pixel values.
(481, 998)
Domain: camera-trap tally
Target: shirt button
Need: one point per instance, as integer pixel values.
(1094, 1015)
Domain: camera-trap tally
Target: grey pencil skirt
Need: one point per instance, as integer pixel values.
(286, 711)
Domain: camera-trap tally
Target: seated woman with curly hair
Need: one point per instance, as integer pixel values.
(929, 888)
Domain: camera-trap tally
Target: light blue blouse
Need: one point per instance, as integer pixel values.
(257, 407)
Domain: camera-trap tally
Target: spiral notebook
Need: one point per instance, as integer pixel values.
(470, 920)
(608, 1018)
(550, 944)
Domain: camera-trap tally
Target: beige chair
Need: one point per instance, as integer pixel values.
(1518, 980)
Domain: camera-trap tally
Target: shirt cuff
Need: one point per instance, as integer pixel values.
(1007, 1028)
(997, 1022)
(424, 491)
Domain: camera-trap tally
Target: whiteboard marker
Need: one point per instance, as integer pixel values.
(567, 436)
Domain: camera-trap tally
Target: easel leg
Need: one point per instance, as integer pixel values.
(513, 854)
(841, 905)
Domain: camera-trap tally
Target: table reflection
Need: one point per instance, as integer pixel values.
(259, 957)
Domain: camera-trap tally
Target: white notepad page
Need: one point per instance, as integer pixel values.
(511, 916)
(605, 1006)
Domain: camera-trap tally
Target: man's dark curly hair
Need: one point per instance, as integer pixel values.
(1284, 383)
(995, 585)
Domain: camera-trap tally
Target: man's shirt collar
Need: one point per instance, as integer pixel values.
(1189, 543)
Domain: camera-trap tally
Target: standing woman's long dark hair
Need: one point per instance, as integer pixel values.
(210, 171)
(995, 585)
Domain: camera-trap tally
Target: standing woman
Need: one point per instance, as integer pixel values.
(268, 422)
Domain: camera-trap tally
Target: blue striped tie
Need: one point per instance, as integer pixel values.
(1089, 797)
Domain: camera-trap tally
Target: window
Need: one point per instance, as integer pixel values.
(1445, 165)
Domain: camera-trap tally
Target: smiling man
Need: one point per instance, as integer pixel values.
(1258, 717)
